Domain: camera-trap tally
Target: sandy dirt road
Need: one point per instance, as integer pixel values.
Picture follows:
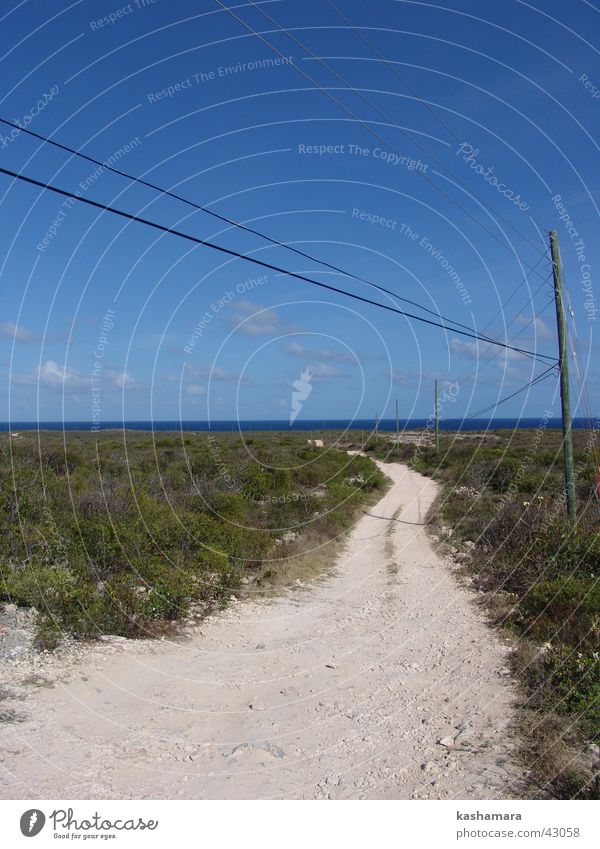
(379, 681)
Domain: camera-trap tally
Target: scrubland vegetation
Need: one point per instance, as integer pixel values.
(120, 533)
(502, 499)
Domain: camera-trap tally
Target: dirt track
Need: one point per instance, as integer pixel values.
(342, 690)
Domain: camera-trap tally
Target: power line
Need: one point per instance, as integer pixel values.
(169, 193)
(366, 126)
(503, 306)
(486, 360)
(520, 331)
(130, 217)
(542, 376)
(227, 220)
(402, 79)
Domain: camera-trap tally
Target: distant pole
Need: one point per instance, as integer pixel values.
(376, 425)
(437, 420)
(563, 361)
(397, 424)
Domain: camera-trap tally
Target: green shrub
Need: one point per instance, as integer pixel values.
(123, 533)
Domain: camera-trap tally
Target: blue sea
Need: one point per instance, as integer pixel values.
(299, 425)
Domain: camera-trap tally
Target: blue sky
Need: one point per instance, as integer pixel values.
(109, 319)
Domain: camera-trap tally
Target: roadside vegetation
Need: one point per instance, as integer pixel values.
(501, 512)
(122, 533)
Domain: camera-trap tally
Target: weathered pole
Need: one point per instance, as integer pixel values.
(437, 420)
(563, 362)
(397, 424)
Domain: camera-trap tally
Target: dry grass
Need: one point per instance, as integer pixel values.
(312, 556)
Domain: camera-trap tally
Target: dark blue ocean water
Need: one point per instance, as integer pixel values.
(305, 424)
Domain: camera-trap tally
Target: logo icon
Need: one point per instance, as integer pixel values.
(32, 822)
(302, 389)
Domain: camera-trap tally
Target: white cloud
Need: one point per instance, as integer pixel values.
(194, 390)
(319, 371)
(324, 370)
(253, 320)
(64, 379)
(53, 376)
(212, 373)
(122, 379)
(17, 332)
(404, 378)
(476, 350)
(470, 349)
(56, 377)
(538, 326)
(298, 350)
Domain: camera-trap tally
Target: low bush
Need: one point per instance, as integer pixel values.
(106, 535)
(502, 493)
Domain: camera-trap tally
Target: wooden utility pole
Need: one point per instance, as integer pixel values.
(397, 424)
(563, 361)
(437, 420)
(376, 425)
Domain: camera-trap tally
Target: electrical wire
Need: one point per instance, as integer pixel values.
(367, 127)
(501, 309)
(485, 360)
(230, 221)
(533, 382)
(405, 82)
(229, 252)
(441, 121)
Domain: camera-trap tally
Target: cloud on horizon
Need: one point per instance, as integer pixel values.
(59, 378)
